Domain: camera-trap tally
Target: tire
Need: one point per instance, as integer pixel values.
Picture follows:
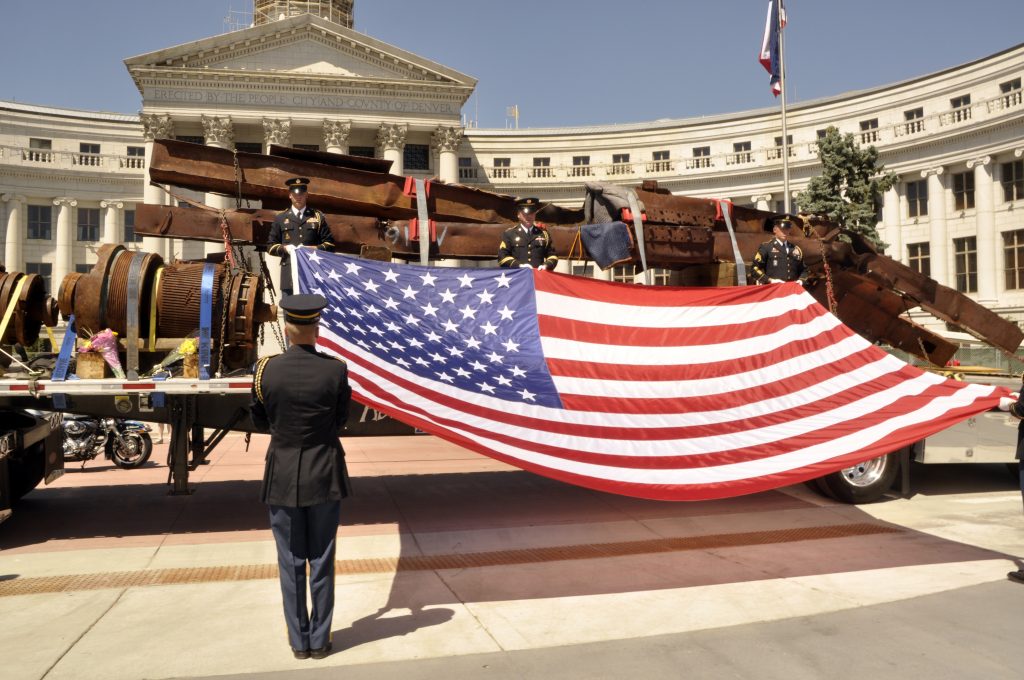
(134, 453)
(865, 482)
(27, 470)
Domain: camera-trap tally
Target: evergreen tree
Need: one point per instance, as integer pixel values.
(850, 187)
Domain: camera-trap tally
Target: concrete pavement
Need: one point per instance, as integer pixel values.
(453, 565)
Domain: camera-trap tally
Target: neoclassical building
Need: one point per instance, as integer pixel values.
(301, 76)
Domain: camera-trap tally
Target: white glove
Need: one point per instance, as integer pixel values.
(1005, 403)
(525, 266)
(775, 281)
(542, 267)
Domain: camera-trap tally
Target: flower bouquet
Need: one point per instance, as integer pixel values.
(187, 351)
(105, 344)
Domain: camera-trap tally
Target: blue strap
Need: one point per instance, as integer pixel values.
(205, 320)
(67, 347)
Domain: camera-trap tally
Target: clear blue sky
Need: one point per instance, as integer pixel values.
(564, 62)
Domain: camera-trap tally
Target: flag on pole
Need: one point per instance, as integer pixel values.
(655, 392)
(771, 56)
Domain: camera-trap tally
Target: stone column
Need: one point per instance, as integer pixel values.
(391, 139)
(63, 255)
(276, 131)
(13, 258)
(111, 223)
(155, 126)
(985, 221)
(218, 132)
(762, 201)
(446, 140)
(938, 239)
(891, 223)
(336, 133)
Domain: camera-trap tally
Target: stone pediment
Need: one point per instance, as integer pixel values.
(302, 45)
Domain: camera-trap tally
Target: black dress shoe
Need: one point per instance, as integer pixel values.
(1017, 576)
(301, 653)
(322, 652)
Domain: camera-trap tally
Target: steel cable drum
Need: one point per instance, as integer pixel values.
(179, 300)
(32, 307)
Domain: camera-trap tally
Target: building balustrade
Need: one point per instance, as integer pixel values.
(69, 160)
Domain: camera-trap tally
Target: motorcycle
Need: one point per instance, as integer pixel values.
(126, 442)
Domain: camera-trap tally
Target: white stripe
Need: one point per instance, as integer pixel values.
(675, 355)
(640, 316)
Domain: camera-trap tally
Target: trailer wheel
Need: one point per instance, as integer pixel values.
(864, 482)
(27, 470)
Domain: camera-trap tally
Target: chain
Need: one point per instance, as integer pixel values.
(830, 292)
(238, 180)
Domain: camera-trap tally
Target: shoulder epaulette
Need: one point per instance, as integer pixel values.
(257, 378)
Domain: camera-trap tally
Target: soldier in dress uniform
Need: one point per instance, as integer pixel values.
(778, 260)
(302, 398)
(300, 225)
(527, 244)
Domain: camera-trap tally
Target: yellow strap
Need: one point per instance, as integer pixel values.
(152, 309)
(14, 303)
(53, 338)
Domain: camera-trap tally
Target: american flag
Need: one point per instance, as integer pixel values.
(771, 54)
(655, 392)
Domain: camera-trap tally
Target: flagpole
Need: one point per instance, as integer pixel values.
(785, 137)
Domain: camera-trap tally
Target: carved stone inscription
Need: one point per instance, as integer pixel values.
(298, 100)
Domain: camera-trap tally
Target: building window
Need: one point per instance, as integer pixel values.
(776, 153)
(660, 162)
(1013, 258)
(581, 166)
(1011, 92)
(39, 150)
(43, 269)
(88, 224)
(416, 157)
(40, 222)
(249, 147)
(502, 168)
(780, 207)
(191, 139)
(306, 147)
(661, 277)
(919, 258)
(621, 164)
(362, 151)
(129, 228)
(541, 167)
(961, 108)
(701, 157)
(963, 190)
(624, 273)
(136, 157)
(582, 270)
(1013, 180)
(466, 169)
(914, 121)
(965, 257)
(88, 154)
(869, 131)
(741, 153)
(917, 198)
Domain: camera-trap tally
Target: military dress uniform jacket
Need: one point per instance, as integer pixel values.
(302, 397)
(533, 247)
(288, 230)
(775, 260)
(1017, 411)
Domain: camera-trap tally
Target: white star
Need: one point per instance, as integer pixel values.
(518, 372)
(334, 276)
(511, 346)
(445, 377)
(393, 327)
(318, 291)
(428, 279)
(318, 276)
(373, 309)
(455, 351)
(526, 394)
(363, 344)
(433, 337)
(468, 313)
(489, 328)
(489, 389)
(421, 361)
(438, 358)
(391, 275)
(473, 343)
(462, 373)
(465, 281)
(450, 326)
(352, 268)
(396, 346)
(408, 293)
(495, 358)
(448, 296)
(391, 303)
(352, 292)
(377, 331)
(370, 285)
(359, 329)
(503, 280)
(356, 313)
(506, 313)
(402, 362)
(411, 319)
(381, 346)
(477, 366)
(413, 342)
(313, 257)
(503, 381)
(430, 310)
(485, 297)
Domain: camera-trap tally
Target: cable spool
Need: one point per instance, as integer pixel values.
(99, 299)
(178, 302)
(33, 308)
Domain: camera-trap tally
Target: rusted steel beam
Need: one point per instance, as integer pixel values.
(336, 159)
(331, 189)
